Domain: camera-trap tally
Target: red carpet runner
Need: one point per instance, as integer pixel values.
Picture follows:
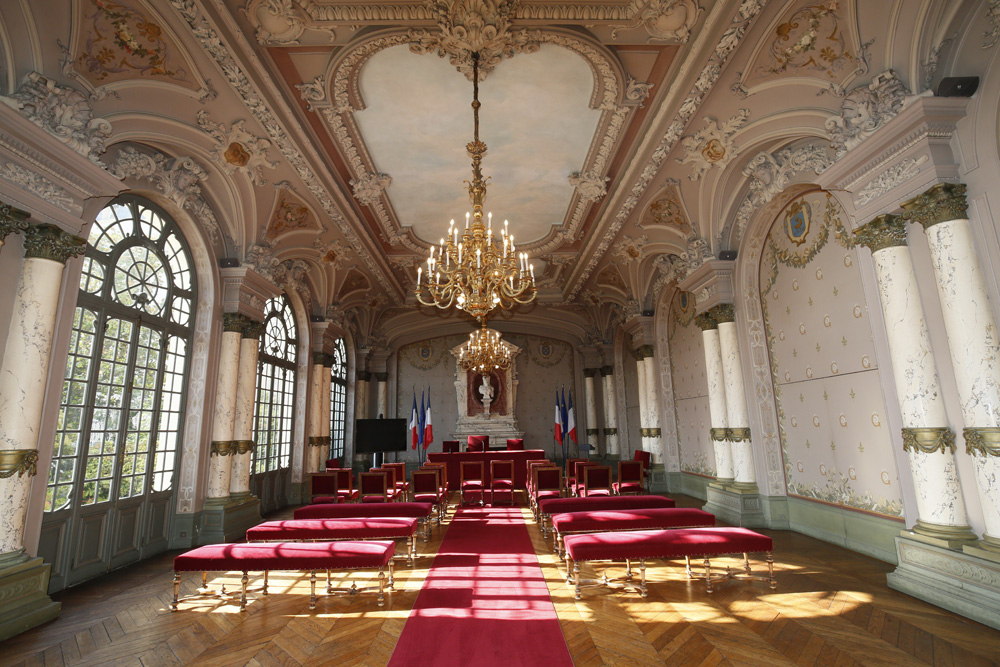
(485, 601)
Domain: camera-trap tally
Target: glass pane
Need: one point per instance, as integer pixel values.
(141, 280)
(92, 278)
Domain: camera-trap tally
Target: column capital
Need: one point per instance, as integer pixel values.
(706, 321)
(253, 329)
(940, 203)
(723, 313)
(51, 242)
(233, 322)
(589, 372)
(12, 220)
(608, 371)
(884, 231)
(364, 376)
(929, 440)
(380, 377)
(642, 352)
(319, 358)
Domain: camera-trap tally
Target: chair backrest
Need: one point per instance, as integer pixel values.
(470, 470)
(596, 478)
(546, 478)
(630, 471)
(579, 467)
(442, 467)
(400, 469)
(345, 481)
(449, 446)
(478, 443)
(374, 483)
(425, 481)
(571, 467)
(333, 463)
(644, 457)
(515, 444)
(502, 470)
(392, 472)
(322, 484)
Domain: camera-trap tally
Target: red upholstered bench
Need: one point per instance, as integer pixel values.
(551, 506)
(606, 521)
(347, 528)
(421, 511)
(679, 543)
(301, 556)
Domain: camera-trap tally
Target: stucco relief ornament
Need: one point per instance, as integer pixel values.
(334, 253)
(590, 186)
(39, 185)
(992, 36)
(474, 26)
(313, 92)
(712, 145)
(864, 110)
(64, 113)
(636, 92)
(368, 188)
(237, 149)
(275, 21)
(672, 268)
(664, 20)
(697, 253)
(629, 249)
(259, 257)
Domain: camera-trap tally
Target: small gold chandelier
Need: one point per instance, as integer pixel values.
(484, 352)
(472, 269)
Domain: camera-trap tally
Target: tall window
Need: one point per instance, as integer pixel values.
(338, 399)
(121, 416)
(275, 387)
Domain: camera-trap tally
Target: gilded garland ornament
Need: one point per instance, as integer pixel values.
(929, 440)
(649, 432)
(221, 448)
(739, 434)
(473, 270)
(18, 461)
(242, 446)
(611, 431)
(985, 441)
(719, 434)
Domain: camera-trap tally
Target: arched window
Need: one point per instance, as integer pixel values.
(121, 417)
(275, 388)
(338, 399)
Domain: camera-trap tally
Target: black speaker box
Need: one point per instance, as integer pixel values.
(957, 86)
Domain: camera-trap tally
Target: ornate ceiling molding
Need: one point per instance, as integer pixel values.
(236, 149)
(713, 144)
(731, 38)
(864, 110)
(237, 77)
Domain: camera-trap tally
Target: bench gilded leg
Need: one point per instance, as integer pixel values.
(243, 591)
(411, 544)
(576, 578)
(392, 578)
(381, 587)
(203, 589)
(177, 588)
(263, 591)
(312, 589)
(329, 583)
(746, 563)
(628, 569)
(708, 575)
(642, 577)
(771, 581)
(687, 566)
(557, 545)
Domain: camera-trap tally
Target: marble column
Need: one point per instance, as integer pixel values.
(315, 440)
(717, 407)
(649, 413)
(737, 415)
(381, 394)
(590, 406)
(224, 417)
(239, 480)
(972, 337)
(927, 439)
(361, 396)
(23, 370)
(610, 412)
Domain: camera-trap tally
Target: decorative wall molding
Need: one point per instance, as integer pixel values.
(712, 145)
(236, 149)
(864, 110)
(368, 188)
(992, 36)
(889, 179)
(589, 186)
(38, 185)
(175, 178)
(63, 112)
(667, 20)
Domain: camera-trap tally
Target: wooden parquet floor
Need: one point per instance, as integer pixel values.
(831, 607)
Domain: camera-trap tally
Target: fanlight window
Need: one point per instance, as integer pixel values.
(338, 399)
(119, 425)
(275, 387)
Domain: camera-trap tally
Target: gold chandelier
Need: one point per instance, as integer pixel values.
(472, 269)
(484, 352)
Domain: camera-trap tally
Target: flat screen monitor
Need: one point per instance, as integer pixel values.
(380, 435)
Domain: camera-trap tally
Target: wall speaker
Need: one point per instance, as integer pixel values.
(728, 255)
(228, 262)
(957, 86)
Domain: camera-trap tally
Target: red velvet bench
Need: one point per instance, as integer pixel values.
(668, 544)
(300, 556)
(606, 521)
(421, 511)
(550, 506)
(329, 530)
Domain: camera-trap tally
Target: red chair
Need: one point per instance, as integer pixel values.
(323, 484)
(373, 487)
(630, 478)
(577, 487)
(443, 467)
(646, 459)
(515, 444)
(478, 443)
(547, 482)
(401, 484)
(449, 446)
(596, 481)
(332, 463)
(501, 479)
(426, 485)
(345, 485)
(470, 475)
(571, 473)
(395, 494)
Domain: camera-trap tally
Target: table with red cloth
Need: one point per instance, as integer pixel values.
(519, 457)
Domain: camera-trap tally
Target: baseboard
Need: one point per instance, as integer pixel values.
(24, 602)
(228, 521)
(865, 533)
(695, 486)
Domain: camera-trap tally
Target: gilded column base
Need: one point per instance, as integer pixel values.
(941, 535)
(722, 482)
(987, 548)
(743, 487)
(24, 600)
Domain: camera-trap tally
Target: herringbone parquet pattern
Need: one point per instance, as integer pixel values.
(831, 607)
